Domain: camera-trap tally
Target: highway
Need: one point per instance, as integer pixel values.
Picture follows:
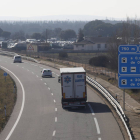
(38, 114)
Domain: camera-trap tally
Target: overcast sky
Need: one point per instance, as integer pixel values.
(104, 8)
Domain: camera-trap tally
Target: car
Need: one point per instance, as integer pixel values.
(46, 72)
(17, 58)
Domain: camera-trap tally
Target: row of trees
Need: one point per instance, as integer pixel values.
(4, 34)
(128, 33)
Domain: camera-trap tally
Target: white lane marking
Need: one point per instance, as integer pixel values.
(55, 119)
(11, 63)
(54, 100)
(32, 73)
(91, 109)
(33, 64)
(23, 67)
(97, 126)
(36, 75)
(53, 72)
(54, 133)
(22, 106)
(45, 83)
(41, 79)
(99, 139)
(55, 109)
(27, 70)
(48, 88)
(17, 65)
(52, 93)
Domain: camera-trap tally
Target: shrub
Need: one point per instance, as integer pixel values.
(63, 54)
(102, 61)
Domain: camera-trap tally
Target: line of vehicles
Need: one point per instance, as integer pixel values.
(73, 84)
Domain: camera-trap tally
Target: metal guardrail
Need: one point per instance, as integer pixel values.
(96, 85)
(113, 102)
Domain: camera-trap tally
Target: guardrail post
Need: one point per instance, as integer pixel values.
(124, 99)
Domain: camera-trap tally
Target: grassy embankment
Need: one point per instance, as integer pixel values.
(7, 98)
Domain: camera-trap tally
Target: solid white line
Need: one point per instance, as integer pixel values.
(54, 133)
(55, 109)
(99, 139)
(55, 119)
(97, 126)
(22, 106)
(91, 109)
(52, 93)
(48, 88)
(54, 100)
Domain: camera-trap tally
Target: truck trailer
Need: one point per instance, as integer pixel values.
(73, 87)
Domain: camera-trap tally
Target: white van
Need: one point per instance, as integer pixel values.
(17, 58)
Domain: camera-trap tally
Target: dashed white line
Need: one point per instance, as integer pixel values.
(54, 101)
(55, 119)
(41, 79)
(48, 88)
(99, 139)
(36, 75)
(52, 93)
(91, 109)
(33, 64)
(97, 126)
(54, 133)
(32, 73)
(45, 83)
(55, 109)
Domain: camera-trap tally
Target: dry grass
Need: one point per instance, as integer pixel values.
(7, 98)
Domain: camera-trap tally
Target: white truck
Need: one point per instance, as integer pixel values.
(73, 87)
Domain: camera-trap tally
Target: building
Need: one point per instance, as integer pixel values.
(92, 43)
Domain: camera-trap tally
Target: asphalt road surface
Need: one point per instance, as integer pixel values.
(38, 114)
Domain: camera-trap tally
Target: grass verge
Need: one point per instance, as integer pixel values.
(7, 98)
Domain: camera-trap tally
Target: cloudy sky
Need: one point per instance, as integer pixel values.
(103, 8)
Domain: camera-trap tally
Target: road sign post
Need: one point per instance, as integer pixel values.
(5, 74)
(128, 68)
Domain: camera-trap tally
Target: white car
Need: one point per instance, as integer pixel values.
(17, 58)
(46, 72)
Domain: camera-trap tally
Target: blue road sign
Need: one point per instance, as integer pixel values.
(129, 66)
(5, 74)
